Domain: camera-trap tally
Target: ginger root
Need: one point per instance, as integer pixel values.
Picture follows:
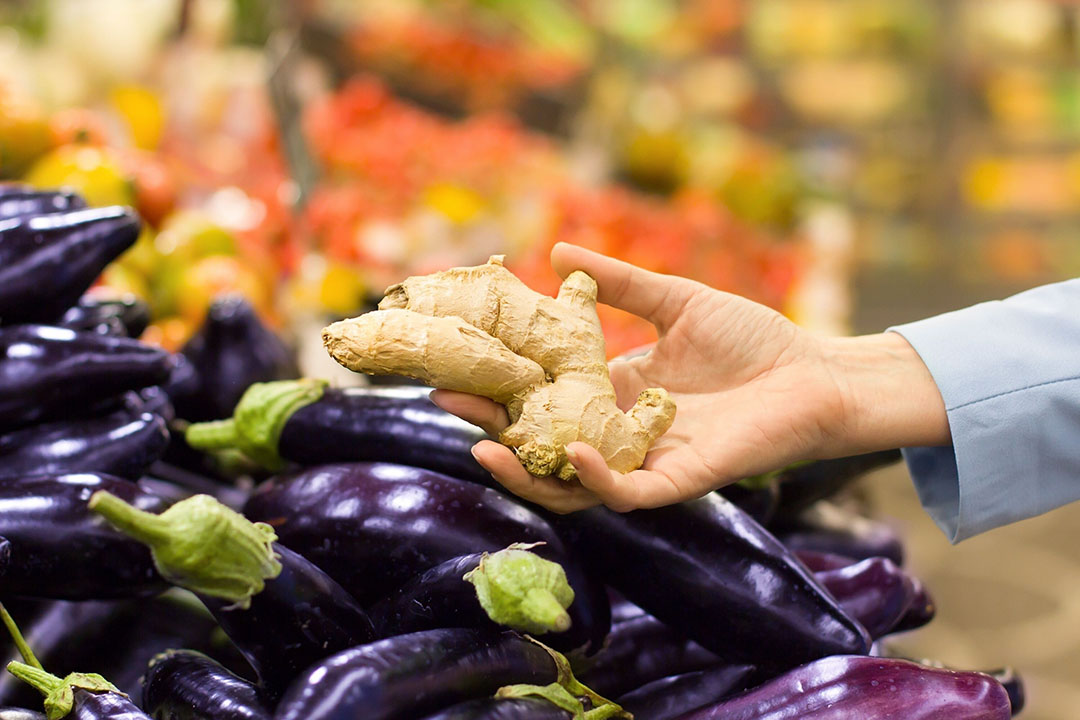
(480, 330)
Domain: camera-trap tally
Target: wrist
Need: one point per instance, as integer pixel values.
(890, 397)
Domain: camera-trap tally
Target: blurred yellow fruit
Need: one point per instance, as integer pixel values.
(141, 110)
(218, 275)
(341, 291)
(459, 204)
(169, 333)
(124, 279)
(24, 136)
(91, 171)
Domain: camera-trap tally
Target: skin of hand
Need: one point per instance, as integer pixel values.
(754, 393)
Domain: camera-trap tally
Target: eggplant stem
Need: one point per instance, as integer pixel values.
(214, 435)
(17, 637)
(44, 682)
(145, 527)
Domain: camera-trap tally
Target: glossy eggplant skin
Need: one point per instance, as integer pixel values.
(501, 709)
(639, 651)
(845, 686)
(48, 261)
(803, 485)
(672, 697)
(186, 685)
(828, 528)
(757, 502)
(391, 424)
(873, 591)
(301, 616)
(232, 350)
(120, 444)
(61, 550)
(692, 563)
(921, 610)
(27, 202)
(121, 317)
(104, 706)
(408, 676)
(1009, 679)
(11, 713)
(374, 526)
(49, 372)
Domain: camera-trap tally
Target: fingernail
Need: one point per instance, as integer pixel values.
(572, 456)
(473, 451)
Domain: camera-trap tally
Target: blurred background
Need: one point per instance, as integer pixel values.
(853, 163)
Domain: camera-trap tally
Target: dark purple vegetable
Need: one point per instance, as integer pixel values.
(691, 564)
(374, 526)
(121, 317)
(622, 609)
(757, 499)
(639, 651)
(501, 709)
(1009, 679)
(48, 261)
(11, 713)
(802, 485)
(26, 202)
(408, 676)
(104, 706)
(828, 528)
(60, 550)
(175, 484)
(154, 400)
(186, 685)
(50, 372)
(873, 591)
(231, 351)
(846, 687)
(920, 611)
(818, 561)
(120, 444)
(672, 697)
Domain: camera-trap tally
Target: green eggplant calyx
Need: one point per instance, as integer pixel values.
(200, 545)
(257, 421)
(566, 692)
(522, 590)
(59, 692)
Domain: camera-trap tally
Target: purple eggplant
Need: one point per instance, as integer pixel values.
(693, 564)
(125, 316)
(845, 686)
(50, 372)
(48, 261)
(921, 610)
(26, 202)
(828, 528)
(409, 676)
(375, 526)
(757, 499)
(119, 444)
(672, 697)
(500, 709)
(187, 685)
(231, 351)
(639, 651)
(311, 425)
(248, 582)
(873, 591)
(1010, 680)
(60, 550)
(11, 713)
(820, 561)
(803, 484)
(513, 588)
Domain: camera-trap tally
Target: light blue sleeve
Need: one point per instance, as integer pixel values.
(1009, 372)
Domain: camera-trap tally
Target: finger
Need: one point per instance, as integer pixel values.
(622, 493)
(489, 415)
(655, 297)
(554, 494)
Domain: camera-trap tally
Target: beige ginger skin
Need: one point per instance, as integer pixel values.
(481, 330)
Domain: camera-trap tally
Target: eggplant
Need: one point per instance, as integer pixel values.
(125, 316)
(103, 706)
(175, 484)
(829, 528)
(757, 499)
(187, 685)
(696, 562)
(231, 351)
(310, 424)
(820, 561)
(48, 261)
(622, 609)
(500, 709)
(844, 687)
(672, 697)
(374, 526)
(60, 550)
(873, 591)
(49, 372)
(639, 651)
(408, 676)
(921, 610)
(119, 444)
(1009, 679)
(26, 202)
(518, 589)
(11, 713)
(803, 484)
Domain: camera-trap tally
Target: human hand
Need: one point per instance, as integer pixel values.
(754, 392)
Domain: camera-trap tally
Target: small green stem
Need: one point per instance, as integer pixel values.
(215, 435)
(45, 683)
(17, 636)
(143, 526)
(542, 608)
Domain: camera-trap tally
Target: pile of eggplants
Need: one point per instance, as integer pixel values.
(758, 601)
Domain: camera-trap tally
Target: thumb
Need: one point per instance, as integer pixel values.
(655, 297)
